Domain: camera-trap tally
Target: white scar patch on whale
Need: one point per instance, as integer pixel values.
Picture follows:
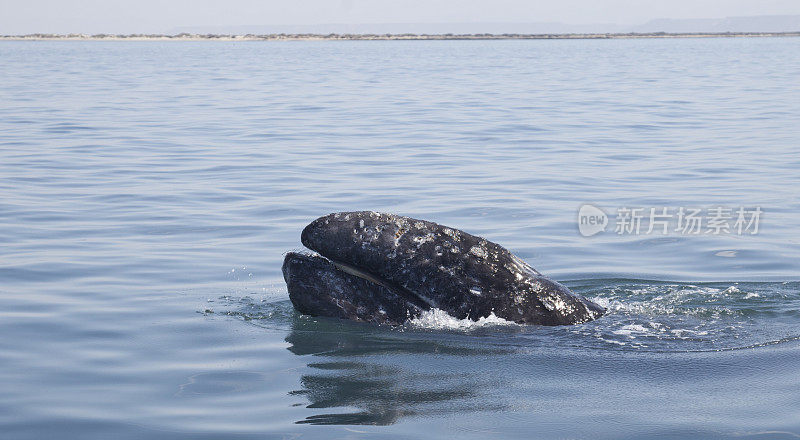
(478, 251)
(422, 239)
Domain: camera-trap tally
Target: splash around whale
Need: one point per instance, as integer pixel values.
(387, 269)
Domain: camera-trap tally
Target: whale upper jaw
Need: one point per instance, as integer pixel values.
(385, 268)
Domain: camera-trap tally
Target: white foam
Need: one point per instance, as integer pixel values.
(632, 330)
(436, 319)
(667, 300)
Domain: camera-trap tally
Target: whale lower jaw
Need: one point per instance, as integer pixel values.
(319, 286)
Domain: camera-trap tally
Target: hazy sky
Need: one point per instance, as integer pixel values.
(129, 16)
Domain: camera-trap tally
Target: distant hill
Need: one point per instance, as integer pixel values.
(763, 23)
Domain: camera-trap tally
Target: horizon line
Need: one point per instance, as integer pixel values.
(187, 36)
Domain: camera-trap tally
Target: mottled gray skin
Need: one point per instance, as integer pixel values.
(435, 266)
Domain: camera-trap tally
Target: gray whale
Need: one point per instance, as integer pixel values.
(386, 268)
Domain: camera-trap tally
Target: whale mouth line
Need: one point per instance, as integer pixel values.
(408, 295)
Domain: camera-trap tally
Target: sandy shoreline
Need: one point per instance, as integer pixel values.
(372, 37)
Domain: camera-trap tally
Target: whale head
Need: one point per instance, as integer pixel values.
(386, 268)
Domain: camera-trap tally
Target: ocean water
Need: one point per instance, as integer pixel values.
(148, 192)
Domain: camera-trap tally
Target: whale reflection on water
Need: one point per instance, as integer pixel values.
(354, 365)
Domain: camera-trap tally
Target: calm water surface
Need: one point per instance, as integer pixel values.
(148, 192)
